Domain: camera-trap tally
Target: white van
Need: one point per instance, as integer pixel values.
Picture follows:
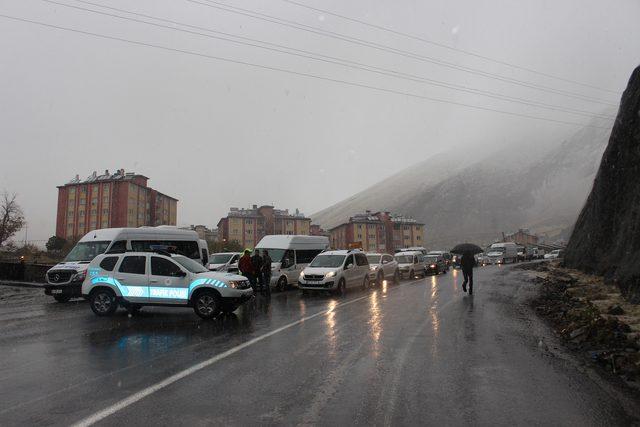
(290, 254)
(64, 280)
(501, 253)
(411, 264)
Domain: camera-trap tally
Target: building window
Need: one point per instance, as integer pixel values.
(83, 201)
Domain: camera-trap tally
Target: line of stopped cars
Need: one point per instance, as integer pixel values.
(167, 266)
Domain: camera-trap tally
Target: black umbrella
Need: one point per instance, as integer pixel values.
(463, 248)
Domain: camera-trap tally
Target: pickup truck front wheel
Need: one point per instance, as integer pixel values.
(103, 302)
(206, 304)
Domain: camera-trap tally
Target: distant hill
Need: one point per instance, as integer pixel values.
(470, 196)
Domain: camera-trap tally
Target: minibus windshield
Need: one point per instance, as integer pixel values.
(87, 251)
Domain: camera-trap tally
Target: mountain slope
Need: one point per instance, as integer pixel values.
(606, 239)
(463, 197)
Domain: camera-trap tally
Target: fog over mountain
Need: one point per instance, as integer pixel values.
(476, 196)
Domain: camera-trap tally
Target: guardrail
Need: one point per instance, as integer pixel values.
(23, 272)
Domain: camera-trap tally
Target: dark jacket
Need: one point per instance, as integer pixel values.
(245, 265)
(467, 262)
(266, 264)
(256, 262)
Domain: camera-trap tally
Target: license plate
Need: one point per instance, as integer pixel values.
(56, 291)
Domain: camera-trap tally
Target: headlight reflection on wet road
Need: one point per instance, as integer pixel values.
(331, 327)
(375, 322)
(433, 307)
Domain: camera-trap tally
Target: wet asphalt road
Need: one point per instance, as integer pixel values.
(418, 353)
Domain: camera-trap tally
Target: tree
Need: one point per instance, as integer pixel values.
(55, 244)
(11, 217)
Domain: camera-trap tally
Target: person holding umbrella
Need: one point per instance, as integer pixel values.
(467, 263)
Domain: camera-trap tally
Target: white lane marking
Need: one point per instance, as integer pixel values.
(101, 415)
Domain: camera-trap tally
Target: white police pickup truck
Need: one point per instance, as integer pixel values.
(136, 279)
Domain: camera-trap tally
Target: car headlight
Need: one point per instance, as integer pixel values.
(81, 275)
(432, 266)
(372, 267)
(302, 274)
(233, 284)
(330, 274)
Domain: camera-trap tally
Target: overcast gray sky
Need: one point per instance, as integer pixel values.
(217, 134)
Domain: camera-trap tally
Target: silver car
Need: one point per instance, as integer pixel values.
(383, 267)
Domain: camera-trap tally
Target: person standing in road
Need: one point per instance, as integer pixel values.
(246, 267)
(467, 262)
(266, 271)
(256, 264)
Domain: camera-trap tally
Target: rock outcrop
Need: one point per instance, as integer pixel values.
(606, 237)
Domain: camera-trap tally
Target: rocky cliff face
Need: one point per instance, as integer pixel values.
(606, 237)
(476, 196)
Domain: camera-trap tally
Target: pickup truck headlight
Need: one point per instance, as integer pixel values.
(238, 284)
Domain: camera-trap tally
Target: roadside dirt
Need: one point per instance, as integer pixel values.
(591, 317)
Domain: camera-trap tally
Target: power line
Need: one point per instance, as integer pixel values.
(445, 46)
(407, 54)
(297, 73)
(332, 60)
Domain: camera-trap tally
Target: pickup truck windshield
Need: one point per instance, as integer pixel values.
(189, 264)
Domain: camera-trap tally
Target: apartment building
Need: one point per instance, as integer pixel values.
(121, 199)
(248, 226)
(377, 232)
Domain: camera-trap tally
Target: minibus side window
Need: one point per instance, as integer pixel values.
(118, 247)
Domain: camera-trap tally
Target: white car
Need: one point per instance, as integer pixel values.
(136, 279)
(555, 254)
(336, 271)
(224, 261)
(411, 264)
(383, 267)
